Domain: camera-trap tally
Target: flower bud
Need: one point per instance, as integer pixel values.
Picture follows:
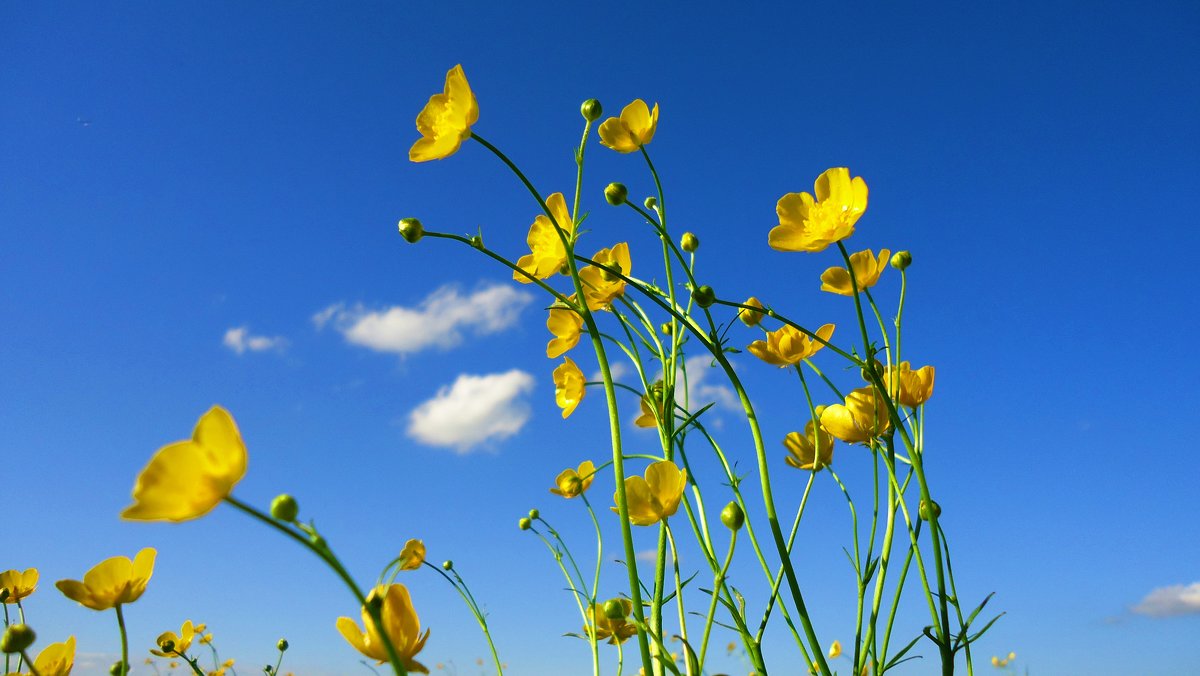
(447, 564)
(476, 241)
(167, 646)
(666, 328)
(268, 670)
(901, 260)
(17, 638)
(704, 296)
(879, 370)
(651, 203)
(282, 645)
(751, 317)
(614, 609)
(411, 230)
(591, 110)
(524, 523)
(689, 242)
(616, 193)
(732, 516)
(533, 514)
(117, 669)
(923, 510)
(284, 508)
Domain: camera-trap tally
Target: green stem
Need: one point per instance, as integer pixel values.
(24, 655)
(461, 587)
(718, 582)
(679, 599)
(124, 640)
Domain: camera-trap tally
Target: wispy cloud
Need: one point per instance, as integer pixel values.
(647, 555)
(472, 411)
(240, 340)
(616, 368)
(437, 322)
(1169, 601)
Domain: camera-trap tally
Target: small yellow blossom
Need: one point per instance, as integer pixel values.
(653, 407)
(806, 224)
(227, 663)
(18, 584)
(600, 287)
(731, 647)
(911, 388)
(56, 659)
(206, 639)
(751, 317)
(655, 497)
(187, 479)
(616, 630)
(413, 555)
(863, 417)
(573, 482)
(445, 122)
(867, 268)
(568, 386)
(112, 582)
(803, 449)
(547, 256)
(634, 129)
(400, 622)
(787, 345)
(835, 650)
(179, 642)
(566, 325)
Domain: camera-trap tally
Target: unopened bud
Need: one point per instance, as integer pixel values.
(901, 260)
(411, 230)
(533, 514)
(591, 110)
(689, 242)
(616, 193)
(118, 668)
(524, 523)
(878, 370)
(923, 510)
(477, 241)
(447, 564)
(704, 296)
(285, 508)
(651, 203)
(751, 317)
(282, 645)
(666, 328)
(614, 609)
(17, 638)
(732, 516)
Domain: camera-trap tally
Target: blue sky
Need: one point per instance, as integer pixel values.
(185, 188)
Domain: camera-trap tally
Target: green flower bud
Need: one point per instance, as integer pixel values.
(614, 609)
(411, 230)
(284, 508)
(17, 638)
(901, 260)
(704, 296)
(651, 203)
(118, 668)
(878, 370)
(525, 523)
(268, 670)
(477, 242)
(689, 242)
(282, 645)
(447, 564)
(616, 193)
(923, 510)
(591, 110)
(533, 514)
(732, 516)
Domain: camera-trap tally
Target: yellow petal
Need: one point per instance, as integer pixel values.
(836, 280)
(614, 134)
(666, 482)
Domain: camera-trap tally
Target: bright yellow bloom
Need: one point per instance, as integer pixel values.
(187, 479)
(566, 325)
(863, 417)
(657, 496)
(806, 224)
(634, 129)
(751, 317)
(445, 122)
(867, 269)
(835, 650)
(179, 643)
(601, 287)
(573, 482)
(413, 555)
(616, 630)
(568, 386)
(803, 450)
(112, 582)
(56, 659)
(547, 255)
(653, 408)
(18, 584)
(787, 345)
(400, 622)
(911, 388)
(227, 663)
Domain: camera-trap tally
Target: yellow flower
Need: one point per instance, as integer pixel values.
(616, 630)
(179, 643)
(187, 479)
(56, 659)
(863, 417)
(568, 386)
(657, 496)
(400, 622)
(751, 317)
(227, 663)
(601, 287)
(573, 482)
(788, 345)
(445, 122)
(835, 650)
(547, 255)
(112, 582)
(806, 224)
(566, 325)
(912, 388)
(634, 129)
(867, 269)
(413, 555)
(803, 450)
(651, 403)
(18, 584)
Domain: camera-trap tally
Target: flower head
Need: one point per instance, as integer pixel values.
(751, 317)
(867, 269)
(567, 326)
(400, 623)
(813, 450)
(601, 287)
(653, 407)
(187, 479)
(807, 224)
(835, 650)
(615, 629)
(18, 584)
(634, 129)
(568, 386)
(910, 388)
(112, 582)
(56, 659)
(573, 482)
(171, 644)
(547, 256)
(863, 417)
(787, 345)
(413, 555)
(445, 122)
(656, 497)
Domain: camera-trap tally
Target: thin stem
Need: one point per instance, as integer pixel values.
(124, 640)
(718, 581)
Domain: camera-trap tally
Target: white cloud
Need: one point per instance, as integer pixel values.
(701, 392)
(616, 368)
(473, 410)
(648, 555)
(438, 321)
(240, 340)
(1176, 599)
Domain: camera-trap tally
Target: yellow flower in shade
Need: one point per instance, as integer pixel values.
(634, 129)
(863, 417)
(179, 642)
(912, 388)
(835, 650)
(568, 386)
(652, 403)
(18, 584)
(56, 659)
(546, 254)
(413, 555)
(187, 479)
(812, 450)
(787, 345)
(400, 622)
(867, 268)
(573, 482)
(657, 496)
(600, 287)
(751, 317)
(567, 326)
(807, 224)
(445, 122)
(616, 630)
(112, 582)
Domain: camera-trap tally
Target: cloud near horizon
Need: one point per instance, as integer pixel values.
(1170, 601)
(473, 410)
(241, 341)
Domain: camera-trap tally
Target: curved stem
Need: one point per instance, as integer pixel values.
(124, 640)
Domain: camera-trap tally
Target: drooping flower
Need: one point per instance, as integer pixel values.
(567, 326)
(571, 483)
(751, 317)
(18, 584)
(911, 388)
(655, 497)
(787, 345)
(112, 582)
(445, 122)
(807, 224)
(178, 643)
(547, 256)
(634, 129)
(400, 623)
(413, 555)
(863, 417)
(835, 650)
(867, 268)
(56, 659)
(601, 287)
(653, 407)
(615, 629)
(568, 386)
(187, 479)
(813, 450)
